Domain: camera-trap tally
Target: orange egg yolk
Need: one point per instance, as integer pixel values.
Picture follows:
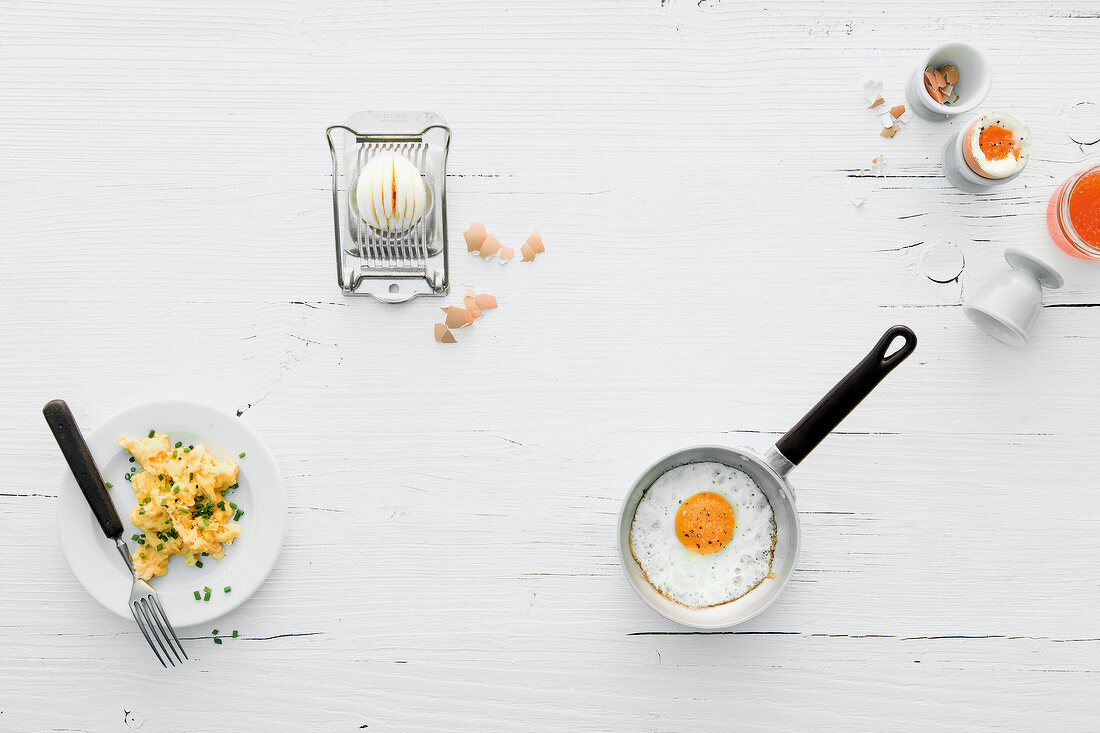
(996, 142)
(704, 522)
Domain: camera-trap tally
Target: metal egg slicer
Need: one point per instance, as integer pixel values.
(391, 264)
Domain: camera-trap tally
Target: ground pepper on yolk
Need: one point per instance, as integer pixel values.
(704, 522)
(996, 143)
(1084, 208)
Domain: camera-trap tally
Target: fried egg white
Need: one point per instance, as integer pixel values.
(671, 544)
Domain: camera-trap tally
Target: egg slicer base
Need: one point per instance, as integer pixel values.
(392, 267)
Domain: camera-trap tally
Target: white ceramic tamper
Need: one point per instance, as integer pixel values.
(975, 79)
(1006, 307)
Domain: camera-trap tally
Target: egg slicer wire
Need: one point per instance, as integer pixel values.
(393, 267)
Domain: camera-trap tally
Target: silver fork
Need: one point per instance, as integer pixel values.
(144, 604)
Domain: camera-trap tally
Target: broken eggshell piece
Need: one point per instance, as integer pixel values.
(472, 307)
(443, 334)
(489, 247)
(475, 236)
(535, 240)
(485, 301)
(462, 316)
(457, 317)
(872, 91)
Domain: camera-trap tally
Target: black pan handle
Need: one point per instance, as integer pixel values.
(843, 398)
(65, 431)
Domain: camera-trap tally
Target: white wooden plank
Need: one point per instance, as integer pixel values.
(450, 562)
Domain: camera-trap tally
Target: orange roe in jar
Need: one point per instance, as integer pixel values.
(996, 143)
(1084, 208)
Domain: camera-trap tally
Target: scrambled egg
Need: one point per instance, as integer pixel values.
(180, 503)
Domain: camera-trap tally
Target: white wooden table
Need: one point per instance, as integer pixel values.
(450, 564)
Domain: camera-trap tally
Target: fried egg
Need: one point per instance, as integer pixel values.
(996, 145)
(703, 534)
(390, 193)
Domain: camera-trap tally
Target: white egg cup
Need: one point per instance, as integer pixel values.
(1008, 305)
(962, 176)
(975, 80)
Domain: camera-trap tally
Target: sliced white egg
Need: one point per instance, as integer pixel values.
(391, 194)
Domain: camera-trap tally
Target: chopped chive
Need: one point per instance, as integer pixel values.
(173, 454)
(234, 633)
(238, 515)
(167, 520)
(205, 522)
(176, 490)
(232, 487)
(214, 632)
(160, 476)
(233, 505)
(221, 505)
(141, 511)
(127, 477)
(206, 593)
(164, 502)
(241, 455)
(109, 485)
(198, 563)
(227, 589)
(186, 450)
(135, 537)
(152, 433)
(192, 477)
(131, 459)
(141, 555)
(217, 641)
(160, 546)
(179, 443)
(198, 596)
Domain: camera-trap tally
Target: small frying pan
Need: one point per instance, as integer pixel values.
(769, 471)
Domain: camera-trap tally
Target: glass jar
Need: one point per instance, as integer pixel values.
(1073, 215)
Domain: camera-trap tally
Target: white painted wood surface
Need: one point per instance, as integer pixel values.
(165, 229)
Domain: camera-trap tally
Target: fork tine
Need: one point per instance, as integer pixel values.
(166, 626)
(141, 625)
(153, 630)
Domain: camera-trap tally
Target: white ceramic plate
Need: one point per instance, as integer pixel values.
(247, 562)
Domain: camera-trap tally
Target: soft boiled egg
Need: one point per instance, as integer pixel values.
(703, 534)
(390, 193)
(996, 145)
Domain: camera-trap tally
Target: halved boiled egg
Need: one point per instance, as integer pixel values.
(996, 145)
(390, 193)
